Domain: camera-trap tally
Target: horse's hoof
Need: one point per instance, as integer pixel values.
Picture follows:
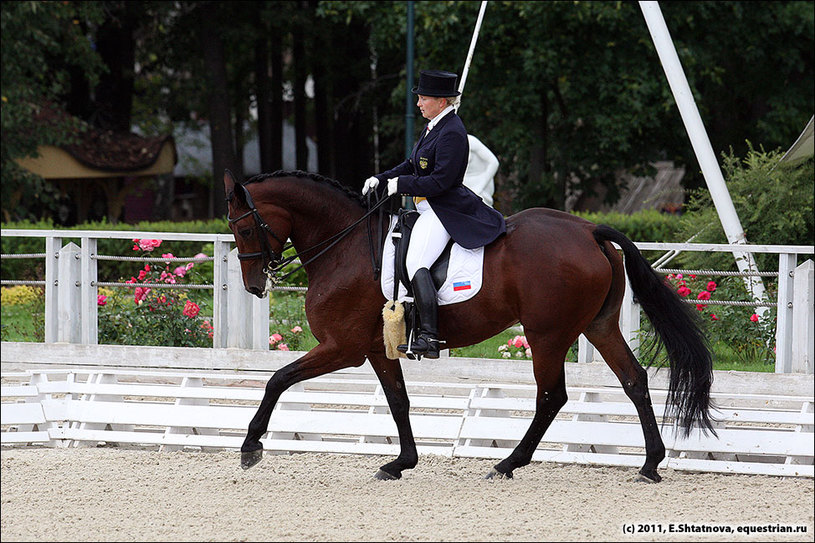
(385, 476)
(495, 474)
(249, 459)
(648, 476)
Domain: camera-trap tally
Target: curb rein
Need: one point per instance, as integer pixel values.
(276, 262)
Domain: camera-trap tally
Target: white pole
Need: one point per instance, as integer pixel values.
(701, 145)
(472, 49)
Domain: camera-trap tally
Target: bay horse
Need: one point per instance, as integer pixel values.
(556, 274)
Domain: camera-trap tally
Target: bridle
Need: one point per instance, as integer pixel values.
(275, 261)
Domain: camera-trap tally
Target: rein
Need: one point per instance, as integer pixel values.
(276, 262)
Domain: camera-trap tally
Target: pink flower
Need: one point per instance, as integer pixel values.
(181, 271)
(518, 341)
(191, 309)
(704, 295)
(146, 245)
(683, 291)
(713, 317)
(296, 329)
(711, 286)
(282, 347)
(101, 300)
(142, 275)
(754, 317)
(274, 338)
(140, 294)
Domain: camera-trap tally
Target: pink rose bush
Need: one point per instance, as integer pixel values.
(155, 315)
(737, 328)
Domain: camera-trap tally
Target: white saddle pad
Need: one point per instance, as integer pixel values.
(464, 273)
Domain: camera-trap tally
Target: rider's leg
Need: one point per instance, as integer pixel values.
(427, 242)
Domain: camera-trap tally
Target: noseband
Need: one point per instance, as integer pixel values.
(274, 260)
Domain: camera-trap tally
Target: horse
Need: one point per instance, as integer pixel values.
(554, 273)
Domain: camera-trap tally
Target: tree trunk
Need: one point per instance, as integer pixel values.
(323, 103)
(264, 101)
(276, 90)
(300, 71)
(220, 118)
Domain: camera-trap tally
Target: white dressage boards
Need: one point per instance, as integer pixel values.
(757, 434)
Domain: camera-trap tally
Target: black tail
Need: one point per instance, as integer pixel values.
(677, 330)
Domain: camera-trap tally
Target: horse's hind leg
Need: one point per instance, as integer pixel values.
(393, 384)
(551, 397)
(606, 337)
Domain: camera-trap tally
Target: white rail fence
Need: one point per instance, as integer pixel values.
(242, 320)
(347, 413)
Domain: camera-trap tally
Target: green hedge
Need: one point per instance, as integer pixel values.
(646, 225)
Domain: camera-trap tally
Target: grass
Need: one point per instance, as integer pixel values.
(24, 323)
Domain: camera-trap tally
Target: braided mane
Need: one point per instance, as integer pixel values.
(353, 195)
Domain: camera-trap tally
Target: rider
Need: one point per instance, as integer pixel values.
(434, 176)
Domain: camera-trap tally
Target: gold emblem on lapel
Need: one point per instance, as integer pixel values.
(423, 163)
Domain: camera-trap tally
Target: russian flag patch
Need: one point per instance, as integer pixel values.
(461, 285)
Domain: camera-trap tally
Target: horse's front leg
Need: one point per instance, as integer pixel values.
(318, 361)
(393, 384)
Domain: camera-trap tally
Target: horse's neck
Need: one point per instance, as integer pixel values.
(319, 215)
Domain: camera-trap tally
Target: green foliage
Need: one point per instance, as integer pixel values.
(737, 333)
(645, 225)
(41, 44)
(23, 314)
(774, 202)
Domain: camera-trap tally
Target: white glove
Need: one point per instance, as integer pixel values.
(392, 185)
(370, 183)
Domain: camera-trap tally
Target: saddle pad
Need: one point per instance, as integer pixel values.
(464, 273)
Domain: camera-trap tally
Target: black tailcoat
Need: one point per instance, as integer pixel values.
(435, 170)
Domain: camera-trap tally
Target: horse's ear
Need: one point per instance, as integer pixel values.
(229, 186)
(229, 182)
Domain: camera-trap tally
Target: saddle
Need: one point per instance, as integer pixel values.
(405, 221)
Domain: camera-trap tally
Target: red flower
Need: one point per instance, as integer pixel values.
(700, 307)
(191, 309)
(704, 295)
(754, 317)
(683, 291)
(713, 317)
(711, 286)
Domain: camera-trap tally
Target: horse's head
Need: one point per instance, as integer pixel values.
(260, 235)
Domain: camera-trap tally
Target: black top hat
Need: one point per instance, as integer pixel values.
(436, 83)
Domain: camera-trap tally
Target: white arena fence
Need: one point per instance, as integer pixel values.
(241, 320)
(346, 412)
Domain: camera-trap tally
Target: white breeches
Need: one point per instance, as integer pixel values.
(428, 240)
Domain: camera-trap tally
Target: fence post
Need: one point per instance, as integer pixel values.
(783, 330)
(220, 300)
(69, 328)
(803, 317)
(247, 324)
(630, 319)
(52, 247)
(88, 293)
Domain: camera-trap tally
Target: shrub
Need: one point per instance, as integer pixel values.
(774, 202)
(147, 315)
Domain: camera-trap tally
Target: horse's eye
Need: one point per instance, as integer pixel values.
(245, 232)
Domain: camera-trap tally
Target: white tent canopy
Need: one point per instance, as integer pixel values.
(803, 146)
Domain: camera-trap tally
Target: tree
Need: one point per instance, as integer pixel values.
(41, 43)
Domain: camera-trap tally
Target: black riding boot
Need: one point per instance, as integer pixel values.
(424, 296)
